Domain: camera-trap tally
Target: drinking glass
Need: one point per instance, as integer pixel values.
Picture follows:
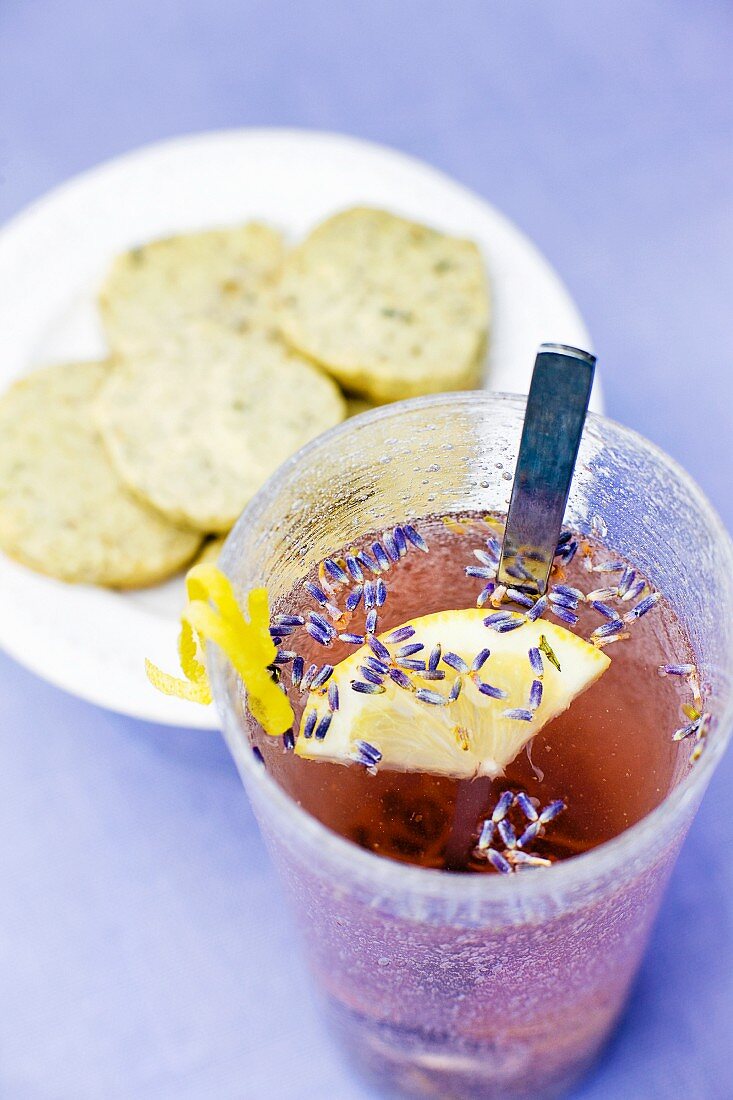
(460, 985)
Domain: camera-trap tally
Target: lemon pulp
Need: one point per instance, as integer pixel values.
(473, 721)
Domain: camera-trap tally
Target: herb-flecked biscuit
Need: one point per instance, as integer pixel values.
(209, 553)
(197, 433)
(63, 509)
(356, 405)
(223, 275)
(390, 308)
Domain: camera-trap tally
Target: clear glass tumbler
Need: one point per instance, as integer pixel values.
(458, 985)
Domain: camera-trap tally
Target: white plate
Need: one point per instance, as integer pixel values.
(92, 642)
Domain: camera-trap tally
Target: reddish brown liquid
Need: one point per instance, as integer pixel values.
(610, 756)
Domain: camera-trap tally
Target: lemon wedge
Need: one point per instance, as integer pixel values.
(384, 704)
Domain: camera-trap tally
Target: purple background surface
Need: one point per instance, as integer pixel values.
(144, 951)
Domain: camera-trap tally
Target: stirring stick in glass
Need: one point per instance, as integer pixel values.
(556, 410)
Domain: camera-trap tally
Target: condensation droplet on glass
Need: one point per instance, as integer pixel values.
(499, 465)
(507, 476)
(433, 468)
(485, 484)
(384, 460)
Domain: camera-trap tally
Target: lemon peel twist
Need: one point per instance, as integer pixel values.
(212, 614)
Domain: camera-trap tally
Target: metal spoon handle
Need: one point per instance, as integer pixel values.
(556, 409)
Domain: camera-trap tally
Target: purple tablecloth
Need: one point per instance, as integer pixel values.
(144, 951)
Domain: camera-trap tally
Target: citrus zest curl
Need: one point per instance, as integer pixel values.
(212, 614)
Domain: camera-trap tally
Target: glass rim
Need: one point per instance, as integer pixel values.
(385, 873)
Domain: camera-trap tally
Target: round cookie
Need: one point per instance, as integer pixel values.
(390, 308)
(356, 405)
(223, 275)
(196, 430)
(209, 553)
(63, 509)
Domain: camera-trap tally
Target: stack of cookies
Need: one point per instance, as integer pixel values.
(226, 354)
